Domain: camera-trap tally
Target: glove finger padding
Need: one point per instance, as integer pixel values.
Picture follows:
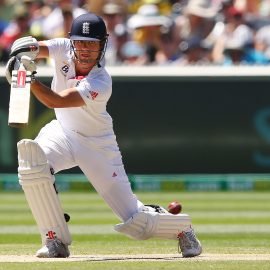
(29, 64)
(25, 46)
(12, 64)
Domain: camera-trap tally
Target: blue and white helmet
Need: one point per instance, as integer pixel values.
(90, 27)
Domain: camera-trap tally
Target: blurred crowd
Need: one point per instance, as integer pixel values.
(152, 32)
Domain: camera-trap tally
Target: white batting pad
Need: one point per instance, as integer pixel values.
(37, 183)
(144, 225)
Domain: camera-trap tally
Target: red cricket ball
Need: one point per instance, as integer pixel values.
(174, 208)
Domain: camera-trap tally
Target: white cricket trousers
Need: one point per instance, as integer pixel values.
(99, 159)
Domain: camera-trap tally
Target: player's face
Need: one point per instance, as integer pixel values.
(87, 51)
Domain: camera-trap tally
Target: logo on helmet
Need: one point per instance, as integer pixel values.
(86, 28)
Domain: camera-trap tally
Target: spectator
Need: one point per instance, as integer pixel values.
(198, 20)
(37, 11)
(133, 53)
(114, 16)
(264, 9)
(54, 24)
(248, 6)
(225, 6)
(16, 28)
(262, 42)
(169, 51)
(164, 6)
(96, 6)
(236, 40)
(146, 26)
(197, 25)
(194, 52)
(192, 26)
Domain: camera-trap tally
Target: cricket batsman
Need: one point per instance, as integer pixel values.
(82, 135)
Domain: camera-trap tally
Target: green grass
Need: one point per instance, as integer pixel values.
(225, 222)
(139, 265)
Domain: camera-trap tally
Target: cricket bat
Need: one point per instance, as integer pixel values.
(19, 102)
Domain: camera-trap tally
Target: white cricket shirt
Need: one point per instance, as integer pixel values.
(95, 89)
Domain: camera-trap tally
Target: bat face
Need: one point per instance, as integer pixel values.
(19, 98)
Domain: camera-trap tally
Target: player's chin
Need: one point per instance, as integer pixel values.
(86, 61)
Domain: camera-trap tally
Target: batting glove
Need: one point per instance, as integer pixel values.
(12, 64)
(25, 46)
(29, 65)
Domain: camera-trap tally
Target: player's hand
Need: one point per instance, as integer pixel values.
(25, 46)
(29, 64)
(12, 64)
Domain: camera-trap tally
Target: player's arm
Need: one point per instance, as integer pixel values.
(65, 99)
(43, 50)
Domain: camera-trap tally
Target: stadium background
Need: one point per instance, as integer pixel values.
(178, 129)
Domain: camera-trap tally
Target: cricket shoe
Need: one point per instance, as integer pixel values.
(188, 244)
(53, 248)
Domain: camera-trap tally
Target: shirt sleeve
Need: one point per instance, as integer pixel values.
(57, 46)
(95, 91)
